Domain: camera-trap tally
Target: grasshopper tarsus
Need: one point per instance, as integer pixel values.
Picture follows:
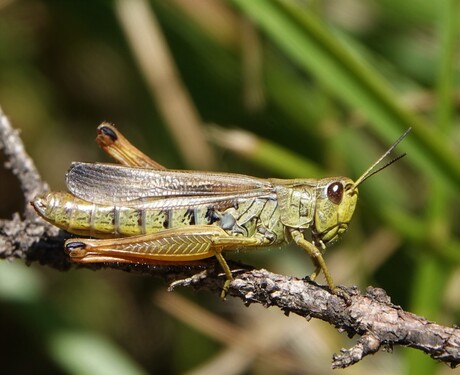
(225, 289)
(338, 291)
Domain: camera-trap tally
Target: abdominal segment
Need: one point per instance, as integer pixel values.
(240, 218)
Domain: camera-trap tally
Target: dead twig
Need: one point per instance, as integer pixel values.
(372, 316)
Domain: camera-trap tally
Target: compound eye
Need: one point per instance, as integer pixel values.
(335, 192)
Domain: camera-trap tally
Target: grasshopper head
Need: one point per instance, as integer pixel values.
(336, 199)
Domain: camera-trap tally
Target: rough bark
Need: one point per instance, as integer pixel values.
(379, 323)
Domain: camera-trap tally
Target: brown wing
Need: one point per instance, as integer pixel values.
(111, 183)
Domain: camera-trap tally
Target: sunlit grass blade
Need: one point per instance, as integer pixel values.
(317, 51)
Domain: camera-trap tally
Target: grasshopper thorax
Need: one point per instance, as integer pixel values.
(336, 199)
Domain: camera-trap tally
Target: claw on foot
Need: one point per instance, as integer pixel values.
(342, 294)
(224, 291)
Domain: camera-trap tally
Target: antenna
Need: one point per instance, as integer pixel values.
(368, 173)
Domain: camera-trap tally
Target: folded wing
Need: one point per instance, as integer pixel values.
(112, 183)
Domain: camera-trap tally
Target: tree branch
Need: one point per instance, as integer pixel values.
(372, 316)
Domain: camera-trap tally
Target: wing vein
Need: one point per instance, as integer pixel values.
(116, 184)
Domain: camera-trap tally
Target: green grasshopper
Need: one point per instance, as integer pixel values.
(141, 212)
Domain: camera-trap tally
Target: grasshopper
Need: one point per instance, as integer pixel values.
(138, 211)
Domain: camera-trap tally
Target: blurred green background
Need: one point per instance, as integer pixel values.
(267, 88)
